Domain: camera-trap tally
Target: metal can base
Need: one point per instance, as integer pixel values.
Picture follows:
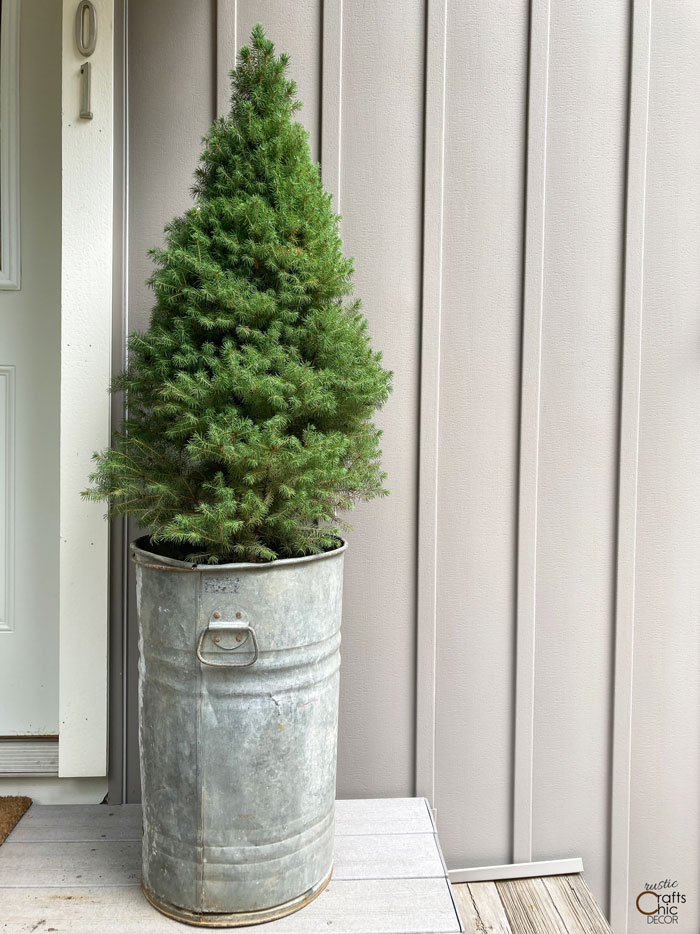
(237, 919)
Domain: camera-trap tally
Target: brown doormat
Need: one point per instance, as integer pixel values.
(11, 809)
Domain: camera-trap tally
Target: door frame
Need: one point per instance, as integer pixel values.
(86, 335)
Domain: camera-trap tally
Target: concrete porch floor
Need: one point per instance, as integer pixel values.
(77, 869)
(73, 869)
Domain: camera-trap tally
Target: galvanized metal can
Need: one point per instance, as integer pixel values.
(238, 714)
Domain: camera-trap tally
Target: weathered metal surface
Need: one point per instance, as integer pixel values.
(237, 754)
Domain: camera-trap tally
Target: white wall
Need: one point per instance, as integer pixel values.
(530, 269)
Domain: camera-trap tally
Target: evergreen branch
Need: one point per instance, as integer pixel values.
(251, 393)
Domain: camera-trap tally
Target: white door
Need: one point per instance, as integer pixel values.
(30, 335)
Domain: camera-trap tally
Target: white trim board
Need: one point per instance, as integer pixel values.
(550, 867)
(533, 297)
(86, 331)
(9, 146)
(628, 464)
(431, 319)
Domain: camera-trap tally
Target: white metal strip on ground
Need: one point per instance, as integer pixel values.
(28, 757)
(552, 867)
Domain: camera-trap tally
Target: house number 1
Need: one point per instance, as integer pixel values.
(85, 39)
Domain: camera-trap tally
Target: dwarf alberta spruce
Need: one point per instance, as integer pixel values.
(251, 394)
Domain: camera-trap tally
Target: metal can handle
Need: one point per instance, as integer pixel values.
(230, 626)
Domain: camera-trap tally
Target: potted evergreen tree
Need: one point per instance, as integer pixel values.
(250, 399)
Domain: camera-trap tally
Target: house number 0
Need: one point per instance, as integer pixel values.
(85, 39)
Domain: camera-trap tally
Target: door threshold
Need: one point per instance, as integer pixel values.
(24, 756)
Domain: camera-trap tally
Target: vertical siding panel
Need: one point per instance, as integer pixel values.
(665, 768)
(577, 483)
(628, 464)
(533, 284)
(433, 204)
(381, 198)
(478, 429)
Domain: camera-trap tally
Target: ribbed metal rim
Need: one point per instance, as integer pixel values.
(238, 919)
(151, 559)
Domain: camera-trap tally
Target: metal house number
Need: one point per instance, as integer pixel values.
(85, 39)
